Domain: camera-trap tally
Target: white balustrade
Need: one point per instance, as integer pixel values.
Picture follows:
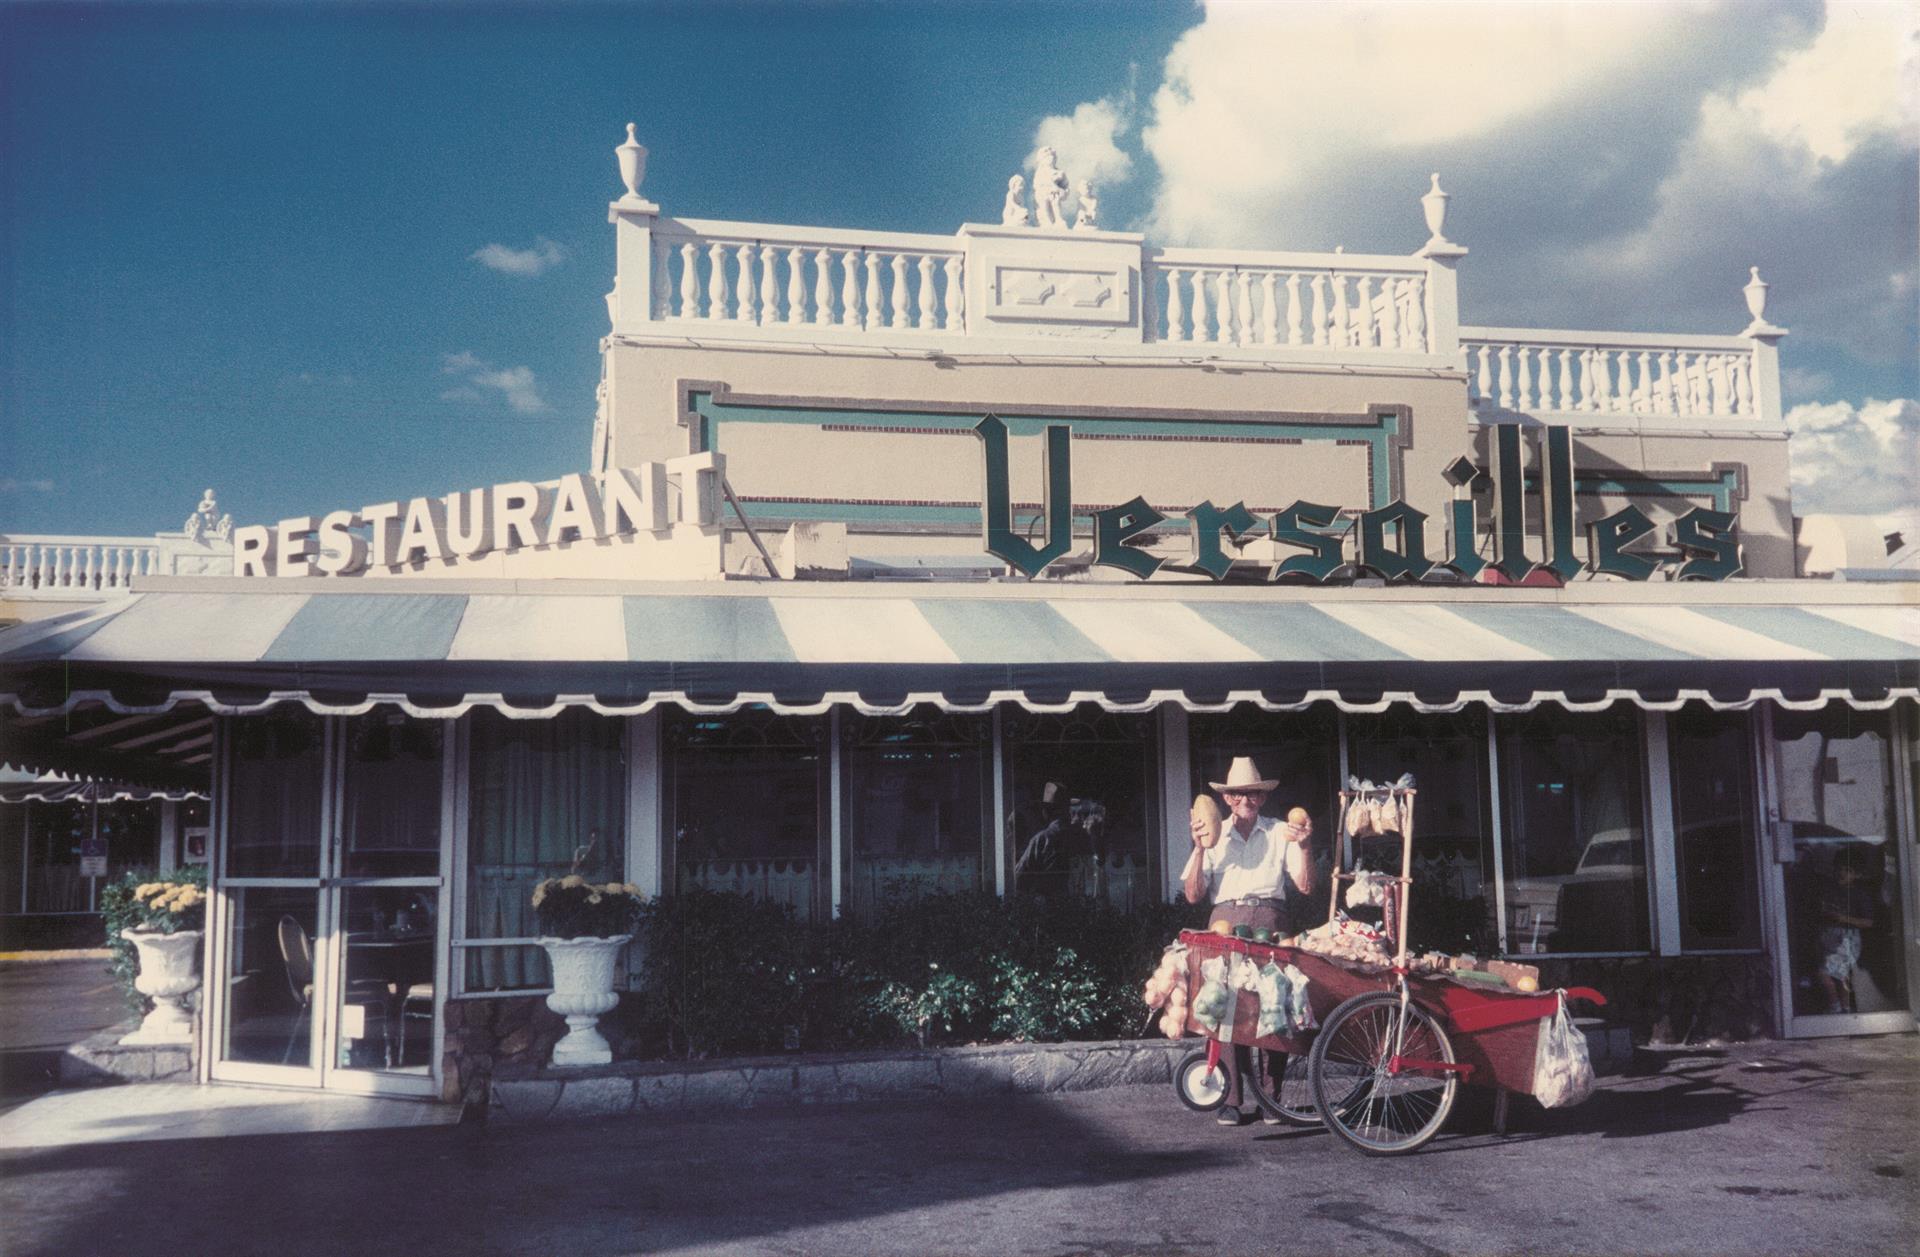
(1609, 373)
(1343, 301)
(77, 568)
(792, 278)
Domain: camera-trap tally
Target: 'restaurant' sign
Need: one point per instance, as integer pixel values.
(466, 525)
(1389, 542)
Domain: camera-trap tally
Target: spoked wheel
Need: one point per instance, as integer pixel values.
(1292, 1100)
(1377, 1107)
(1201, 1089)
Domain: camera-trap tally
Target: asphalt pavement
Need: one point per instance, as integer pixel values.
(1757, 1149)
(46, 1004)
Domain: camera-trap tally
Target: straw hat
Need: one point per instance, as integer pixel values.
(1243, 776)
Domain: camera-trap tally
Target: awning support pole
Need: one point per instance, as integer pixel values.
(751, 534)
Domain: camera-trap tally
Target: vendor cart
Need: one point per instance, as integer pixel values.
(1392, 1047)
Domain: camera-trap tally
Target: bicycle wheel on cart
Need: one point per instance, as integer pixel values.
(1376, 1075)
(1200, 1088)
(1292, 1100)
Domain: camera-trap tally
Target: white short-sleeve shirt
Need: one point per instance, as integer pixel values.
(1239, 868)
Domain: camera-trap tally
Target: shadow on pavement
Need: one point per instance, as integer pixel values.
(590, 1189)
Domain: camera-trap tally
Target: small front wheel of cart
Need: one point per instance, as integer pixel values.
(1383, 1073)
(1202, 1087)
(1292, 1099)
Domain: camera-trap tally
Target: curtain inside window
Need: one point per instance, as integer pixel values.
(273, 796)
(540, 789)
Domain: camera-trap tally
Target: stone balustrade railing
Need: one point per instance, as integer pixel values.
(83, 569)
(1357, 303)
(73, 567)
(766, 276)
(997, 289)
(1523, 371)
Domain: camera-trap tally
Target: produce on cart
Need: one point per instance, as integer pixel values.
(1391, 1036)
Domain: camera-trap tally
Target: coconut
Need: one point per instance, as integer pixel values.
(1205, 809)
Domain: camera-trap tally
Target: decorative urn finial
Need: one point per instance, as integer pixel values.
(1434, 205)
(1756, 291)
(633, 164)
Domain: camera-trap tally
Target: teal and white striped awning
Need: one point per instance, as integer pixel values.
(806, 647)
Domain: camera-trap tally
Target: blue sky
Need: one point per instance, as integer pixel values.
(240, 243)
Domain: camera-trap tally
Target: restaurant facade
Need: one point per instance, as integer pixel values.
(889, 550)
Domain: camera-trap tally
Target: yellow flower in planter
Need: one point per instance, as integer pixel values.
(572, 881)
(539, 894)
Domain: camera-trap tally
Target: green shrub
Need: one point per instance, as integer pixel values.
(122, 907)
(946, 1004)
(1045, 1004)
(723, 974)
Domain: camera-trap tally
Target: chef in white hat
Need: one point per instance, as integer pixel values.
(1243, 874)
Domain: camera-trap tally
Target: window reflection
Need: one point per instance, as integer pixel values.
(745, 799)
(1575, 845)
(1844, 927)
(1714, 828)
(918, 788)
(1080, 790)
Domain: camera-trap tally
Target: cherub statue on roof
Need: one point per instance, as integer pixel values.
(1049, 190)
(1013, 212)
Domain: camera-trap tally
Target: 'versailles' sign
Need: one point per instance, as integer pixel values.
(1389, 542)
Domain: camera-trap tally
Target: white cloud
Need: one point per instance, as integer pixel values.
(10, 485)
(1855, 460)
(1613, 165)
(1084, 142)
(1855, 81)
(480, 378)
(543, 256)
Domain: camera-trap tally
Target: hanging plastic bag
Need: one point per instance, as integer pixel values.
(1275, 993)
(1299, 1011)
(1214, 1002)
(1562, 1070)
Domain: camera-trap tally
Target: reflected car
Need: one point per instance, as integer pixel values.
(1582, 910)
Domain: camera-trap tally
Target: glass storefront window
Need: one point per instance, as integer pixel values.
(1575, 840)
(919, 792)
(540, 791)
(13, 856)
(1083, 804)
(391, 803)
(1299, 750)
(1844, 931)
(273, 795)
(54, 834)
(1714, 829)
(746, 796)
(1452, 899)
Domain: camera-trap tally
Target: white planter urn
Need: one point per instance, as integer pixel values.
(583, 971)
(169, 969)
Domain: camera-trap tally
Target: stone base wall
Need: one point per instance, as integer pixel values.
(1676, 999)
(102, 1058)
(1684, 999)
(516, 1032)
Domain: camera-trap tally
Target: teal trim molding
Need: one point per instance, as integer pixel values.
(709, 409)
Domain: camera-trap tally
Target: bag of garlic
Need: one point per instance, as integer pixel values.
(1562, 1069)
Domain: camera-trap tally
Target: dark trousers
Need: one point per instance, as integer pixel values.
(1269, 914)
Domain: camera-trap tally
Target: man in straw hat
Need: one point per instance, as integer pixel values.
(1246, 874)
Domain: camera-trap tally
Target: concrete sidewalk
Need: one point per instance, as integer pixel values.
(1762, 1148)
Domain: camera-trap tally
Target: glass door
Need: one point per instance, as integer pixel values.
(385, 901)
(327, 921)
(1838, 872)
